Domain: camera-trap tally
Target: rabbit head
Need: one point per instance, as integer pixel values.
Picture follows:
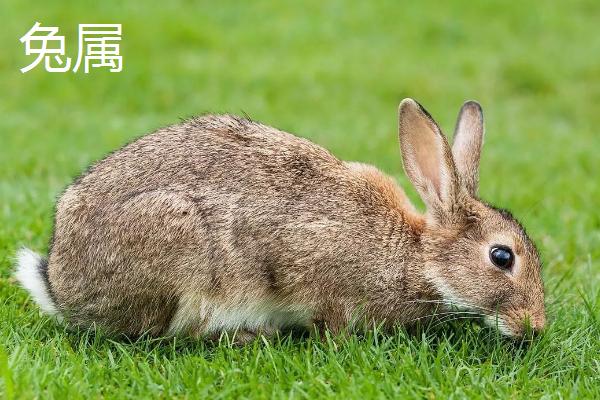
(476, 257)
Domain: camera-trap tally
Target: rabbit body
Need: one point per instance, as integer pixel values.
(221, 223)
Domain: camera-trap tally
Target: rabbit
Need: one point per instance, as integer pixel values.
(222, 225)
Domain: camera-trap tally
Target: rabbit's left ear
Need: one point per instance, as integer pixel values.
(427, 157)
(466, 147)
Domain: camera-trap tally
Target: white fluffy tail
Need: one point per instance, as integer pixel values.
(31, 274)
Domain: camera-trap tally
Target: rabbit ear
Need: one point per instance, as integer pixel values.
(466, 148)
(426, 156)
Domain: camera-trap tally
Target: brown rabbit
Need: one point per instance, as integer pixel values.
(221, 224)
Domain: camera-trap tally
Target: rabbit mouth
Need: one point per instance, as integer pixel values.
(519, 323)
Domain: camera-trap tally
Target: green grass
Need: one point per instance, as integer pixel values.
(334, 73)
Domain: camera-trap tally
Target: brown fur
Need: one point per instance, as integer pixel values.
(239, 211)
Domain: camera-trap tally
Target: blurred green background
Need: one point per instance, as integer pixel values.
(333, 72)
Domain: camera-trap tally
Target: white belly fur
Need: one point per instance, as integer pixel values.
(198, 315)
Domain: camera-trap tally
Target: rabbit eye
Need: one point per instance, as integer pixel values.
(502, 257)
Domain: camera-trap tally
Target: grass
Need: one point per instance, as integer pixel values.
(334, 73)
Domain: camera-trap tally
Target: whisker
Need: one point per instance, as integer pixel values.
(450, 320)
(466, 313)
(450, 303)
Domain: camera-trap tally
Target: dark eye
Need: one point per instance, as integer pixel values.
(502, 257)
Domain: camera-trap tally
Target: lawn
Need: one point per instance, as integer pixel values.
(333, 73)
